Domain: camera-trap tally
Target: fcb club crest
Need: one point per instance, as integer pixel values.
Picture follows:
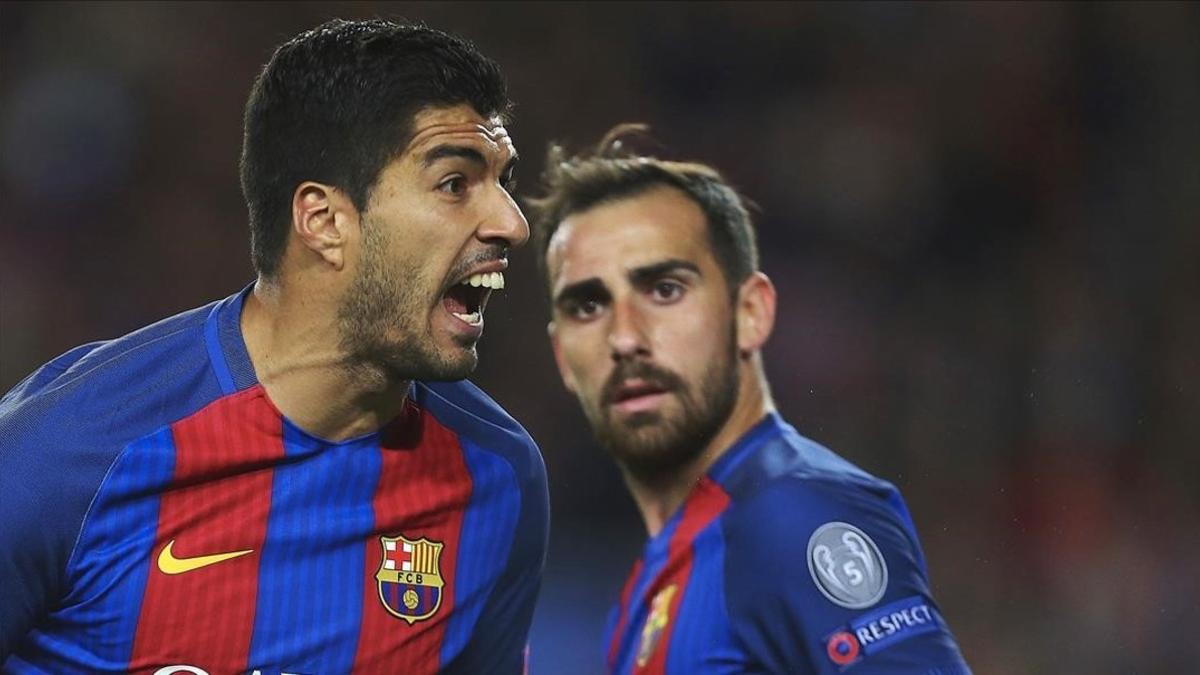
(656, 623)
(410, 577)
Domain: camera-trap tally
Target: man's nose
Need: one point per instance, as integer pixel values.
(504, 221)
(626, 335)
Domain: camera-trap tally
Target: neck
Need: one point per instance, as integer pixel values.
(293, 342)
(659, 497)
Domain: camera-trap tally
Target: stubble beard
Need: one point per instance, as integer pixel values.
(653, 445)
(377, 308)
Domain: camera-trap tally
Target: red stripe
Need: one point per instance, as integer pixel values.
(423, 491)
(706, 502)
(623, 614)
(218, 502)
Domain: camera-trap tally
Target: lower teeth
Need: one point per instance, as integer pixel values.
(472, 318)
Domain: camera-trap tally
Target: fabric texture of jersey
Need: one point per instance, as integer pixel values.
(159, 512)
(785, 558)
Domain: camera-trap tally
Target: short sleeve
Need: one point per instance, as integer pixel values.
(39, 518)
(822, 576)
(32, 554)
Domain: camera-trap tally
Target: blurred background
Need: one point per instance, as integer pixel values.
(982, 220)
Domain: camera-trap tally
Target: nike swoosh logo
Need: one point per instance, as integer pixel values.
(169, 564)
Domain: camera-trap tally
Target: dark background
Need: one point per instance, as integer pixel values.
(981, 218)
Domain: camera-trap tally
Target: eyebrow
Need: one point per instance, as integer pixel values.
(463, 152)
(647, 273)
(638, 276)
(459, 151)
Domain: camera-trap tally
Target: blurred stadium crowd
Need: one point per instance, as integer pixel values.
(983, 221)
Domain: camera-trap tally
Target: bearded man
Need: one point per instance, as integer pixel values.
(292, 479)
(767, 553)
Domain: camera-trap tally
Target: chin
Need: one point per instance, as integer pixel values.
(408, 361)
(652, 461)
(649, 443)
(448, 368)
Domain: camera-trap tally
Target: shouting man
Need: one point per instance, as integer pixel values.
(293, 479)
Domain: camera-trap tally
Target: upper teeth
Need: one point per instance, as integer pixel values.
(487, 280)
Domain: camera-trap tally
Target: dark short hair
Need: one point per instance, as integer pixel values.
(335, 105)
(611, 172)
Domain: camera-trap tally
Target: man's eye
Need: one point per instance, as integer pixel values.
(584, 309)
(667, 291)
(455, 185)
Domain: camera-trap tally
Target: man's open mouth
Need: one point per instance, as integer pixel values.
(466, 299)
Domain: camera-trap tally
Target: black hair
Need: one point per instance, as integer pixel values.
(335, 105)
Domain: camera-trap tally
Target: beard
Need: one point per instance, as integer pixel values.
(380, 322)
(652, 445)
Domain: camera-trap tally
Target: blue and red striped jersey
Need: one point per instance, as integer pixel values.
(161, 515)
(785, 558)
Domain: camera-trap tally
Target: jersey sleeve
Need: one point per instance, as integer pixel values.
(38, 522)
(828, 577)
(31, 550)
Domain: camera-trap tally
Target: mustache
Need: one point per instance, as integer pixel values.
(491, 253)
(660, 378)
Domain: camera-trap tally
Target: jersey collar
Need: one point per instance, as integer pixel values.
(226, 346)
(770, 426)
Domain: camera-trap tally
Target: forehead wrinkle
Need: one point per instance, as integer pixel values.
(492, 129)
(495, 144)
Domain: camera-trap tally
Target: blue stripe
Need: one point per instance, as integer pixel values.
(388, 590)
(654, 558)
(111, 564)
(702, 626)
(310, 580)
(212, 341)
(488, 529)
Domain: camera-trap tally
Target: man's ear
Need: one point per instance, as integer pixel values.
(564, 372)
(324, 220)
(755, 313)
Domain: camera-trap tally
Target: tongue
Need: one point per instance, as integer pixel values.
(454, 304)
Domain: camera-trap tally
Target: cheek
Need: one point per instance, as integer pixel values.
(586, 363)
(422, 236)
(693, 344)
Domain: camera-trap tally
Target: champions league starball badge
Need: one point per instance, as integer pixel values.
(846, 565)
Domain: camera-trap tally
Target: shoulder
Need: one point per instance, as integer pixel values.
(99, 375)
(796, 484)
(481, 422)
(77, 411)
(833, 552)
(811, 527)
(98, 397)
(792, 493)
(844, 535)
(65, 425)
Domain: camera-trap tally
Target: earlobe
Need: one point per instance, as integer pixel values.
(755, 312)
(319, 219)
